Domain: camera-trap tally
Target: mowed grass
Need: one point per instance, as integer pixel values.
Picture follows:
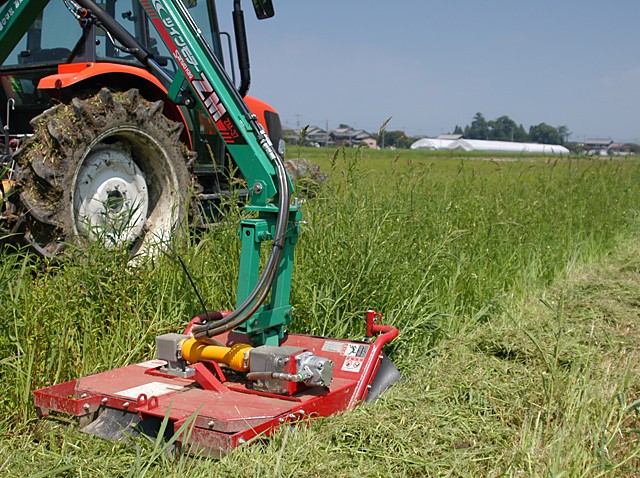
(514, 285)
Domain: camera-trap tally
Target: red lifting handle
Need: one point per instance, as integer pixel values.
(387, 334)
(373, 328)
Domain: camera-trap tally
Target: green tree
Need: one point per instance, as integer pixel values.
(564, 133)
(405, 142)
(502, 129)
(545, 134)
(520, 134)
(393, 139)
(478, 129)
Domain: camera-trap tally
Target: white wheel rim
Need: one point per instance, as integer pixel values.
(111, 199)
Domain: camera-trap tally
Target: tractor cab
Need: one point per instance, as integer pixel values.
(60, 58)
(56, 39)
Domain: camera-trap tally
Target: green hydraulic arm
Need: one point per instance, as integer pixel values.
(263, 307)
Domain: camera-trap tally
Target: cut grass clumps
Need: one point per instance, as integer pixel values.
(518, 356)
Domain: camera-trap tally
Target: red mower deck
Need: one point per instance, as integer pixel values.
(225, 410)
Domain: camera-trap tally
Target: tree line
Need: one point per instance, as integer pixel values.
(502, 128)
(505, 129)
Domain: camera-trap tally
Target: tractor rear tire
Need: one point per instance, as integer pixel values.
(109, 169)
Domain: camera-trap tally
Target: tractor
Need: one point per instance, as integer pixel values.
(92, 146)
(230, 376)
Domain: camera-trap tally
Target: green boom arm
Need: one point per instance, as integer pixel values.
(251, 149)
(213, 89)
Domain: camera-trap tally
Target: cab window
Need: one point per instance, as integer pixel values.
(49, 39)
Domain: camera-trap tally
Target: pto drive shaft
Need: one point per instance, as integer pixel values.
(268, 366)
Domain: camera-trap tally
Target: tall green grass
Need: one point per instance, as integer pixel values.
(434, 245)
(441, 246)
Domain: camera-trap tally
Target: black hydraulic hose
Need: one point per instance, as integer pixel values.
(214, 329)
(251, 304)
(217, 329)
(242, 48)
(259, 293)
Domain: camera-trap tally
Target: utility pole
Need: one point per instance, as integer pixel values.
(326, 143)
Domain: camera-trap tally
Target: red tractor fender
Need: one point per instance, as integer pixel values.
(117, 75)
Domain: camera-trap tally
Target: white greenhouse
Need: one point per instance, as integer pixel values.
(432, 143)
(489, 146)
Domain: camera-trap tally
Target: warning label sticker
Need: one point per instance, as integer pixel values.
(152, 363)
(336, 347)
(352, 364)
(152, 389)
(354, 354)
(356, 350)
(346, 349)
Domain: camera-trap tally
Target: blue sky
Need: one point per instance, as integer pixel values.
(433, 64)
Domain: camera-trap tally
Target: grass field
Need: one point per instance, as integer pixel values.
(515, 285)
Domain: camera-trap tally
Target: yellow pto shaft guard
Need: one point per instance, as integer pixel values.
(236, 357)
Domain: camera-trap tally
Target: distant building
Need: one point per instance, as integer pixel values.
(598, 143)
(507, 147)
(598, 146)
(315, 136)
(621, 149)
(353, 137)
(452, 137)
(370, 141)
(309, 136)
